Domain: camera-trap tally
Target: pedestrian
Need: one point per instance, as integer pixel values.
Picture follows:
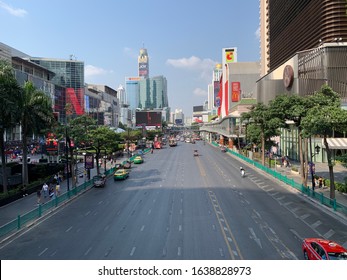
(38, 194)
(320, 182)
(57, 189)
(24, 190)
(45, 190)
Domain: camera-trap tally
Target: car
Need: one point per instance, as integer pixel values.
(138, 160)
(322, 249)
(121, 174)
(99, 181)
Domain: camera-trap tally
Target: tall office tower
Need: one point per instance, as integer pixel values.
(153, 93)
(132, 91)
(159, 92)
(121, 94)
(143, 63)
(288, 27)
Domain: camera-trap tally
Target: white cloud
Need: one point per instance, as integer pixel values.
(200, 92)
(91, 70)
(13, 11)
(193, 63)
(204, 66)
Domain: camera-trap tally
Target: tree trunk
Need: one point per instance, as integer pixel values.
(72, 168)
(25, 178)
(302, 160)
(262, 147)
(331, 169)
(3, 161)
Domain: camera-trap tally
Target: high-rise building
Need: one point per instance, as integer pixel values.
(143, 62)
(153, 93)
(132, 91)
(159, 92)
(70, 75)
(291, 26)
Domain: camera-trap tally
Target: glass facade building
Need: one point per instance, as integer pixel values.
(69, 74)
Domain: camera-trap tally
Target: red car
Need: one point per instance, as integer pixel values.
(321, 249)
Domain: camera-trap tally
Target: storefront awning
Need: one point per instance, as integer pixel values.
(336, 143)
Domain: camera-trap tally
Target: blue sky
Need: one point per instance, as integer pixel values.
(184, 38)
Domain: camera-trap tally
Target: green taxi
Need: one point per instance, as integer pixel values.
(138, 160)
(121, 174)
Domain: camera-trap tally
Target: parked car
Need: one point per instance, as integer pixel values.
(99, 181)
(322, 249)
(138, 160)
(121, 174)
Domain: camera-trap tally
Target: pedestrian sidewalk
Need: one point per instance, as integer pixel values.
(321, 170)
(28, 203)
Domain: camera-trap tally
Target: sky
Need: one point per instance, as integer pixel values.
(184, 38)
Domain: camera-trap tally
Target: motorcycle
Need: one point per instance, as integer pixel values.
(196, 153)
(243, 173)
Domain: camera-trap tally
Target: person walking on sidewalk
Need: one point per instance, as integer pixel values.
(38, 194)
(57, 189)
(45, 190)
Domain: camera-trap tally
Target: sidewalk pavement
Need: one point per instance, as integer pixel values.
(28, 203)
(322, 170)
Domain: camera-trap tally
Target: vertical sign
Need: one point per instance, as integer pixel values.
(235, 91)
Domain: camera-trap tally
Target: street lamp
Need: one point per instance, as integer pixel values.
(67, 158)
(105, 157)
(128, 143)
(317, 150)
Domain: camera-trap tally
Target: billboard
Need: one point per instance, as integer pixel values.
(235, 91)
(148, 118)
(230, 55)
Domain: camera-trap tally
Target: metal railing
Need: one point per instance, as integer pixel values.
(26, 219)
(319, 197)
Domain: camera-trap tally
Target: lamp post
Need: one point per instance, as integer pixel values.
(76, 166)
(67, 158)
(105, 161)
(128, 142)
(317, 150)
(84, 172)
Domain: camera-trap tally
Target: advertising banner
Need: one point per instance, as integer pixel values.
(235, 91)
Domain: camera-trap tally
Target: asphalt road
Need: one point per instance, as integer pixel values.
(176, 206)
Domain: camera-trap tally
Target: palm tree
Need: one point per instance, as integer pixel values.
(35, 114)
(9, 95)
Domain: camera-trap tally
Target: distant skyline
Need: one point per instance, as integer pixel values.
(184, 39)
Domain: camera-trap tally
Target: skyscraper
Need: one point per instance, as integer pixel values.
(143, 63)
(297, 25)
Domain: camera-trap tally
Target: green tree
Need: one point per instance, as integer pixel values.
(102, 139)
(10, 93)
(291, 109)
(268, 122)
(36, 114)
(325, 118)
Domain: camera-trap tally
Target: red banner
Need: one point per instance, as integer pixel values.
(235, 91)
